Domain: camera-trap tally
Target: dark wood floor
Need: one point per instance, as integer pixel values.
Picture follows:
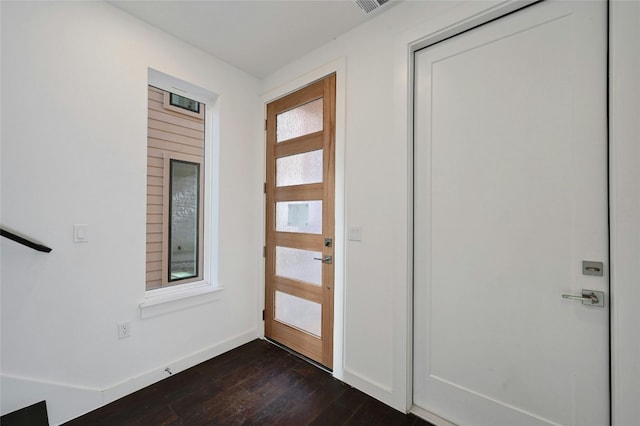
(255, 384)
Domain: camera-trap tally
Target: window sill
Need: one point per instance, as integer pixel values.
(164, 301)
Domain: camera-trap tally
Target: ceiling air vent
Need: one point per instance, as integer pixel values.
(370, 5)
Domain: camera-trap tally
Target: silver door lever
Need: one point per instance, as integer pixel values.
(327, 259)
(589, 297)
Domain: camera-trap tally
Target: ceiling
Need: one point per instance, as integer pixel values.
(258, 37)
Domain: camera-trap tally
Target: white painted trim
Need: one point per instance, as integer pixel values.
(339, 67)
(465, 16)
(181, 296)
(184, 88)
(51, 383)
(118, 390)
(624, 205)
(430, 417)
(368, 385)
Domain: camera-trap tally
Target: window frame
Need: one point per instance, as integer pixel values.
(166, 206)
(183, 294)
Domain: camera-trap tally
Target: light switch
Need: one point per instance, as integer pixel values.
(354, 233)
(80, 233)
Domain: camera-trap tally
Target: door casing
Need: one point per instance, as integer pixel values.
(278, 90)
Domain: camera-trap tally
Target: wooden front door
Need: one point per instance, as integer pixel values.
(300, 221)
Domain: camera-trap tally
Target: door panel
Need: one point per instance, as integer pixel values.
(299, 121)
(510, 198)
(299, 265)
(300, 221)
(299, 216)
(299, 312)
(299, 169)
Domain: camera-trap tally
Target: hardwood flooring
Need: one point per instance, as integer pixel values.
(255, 384)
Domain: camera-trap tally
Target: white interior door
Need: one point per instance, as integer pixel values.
(510, 198)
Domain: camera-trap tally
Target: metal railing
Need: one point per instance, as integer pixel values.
(24, 241)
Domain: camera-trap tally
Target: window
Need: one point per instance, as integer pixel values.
(185, 220)
(175, 189)
(186, 103)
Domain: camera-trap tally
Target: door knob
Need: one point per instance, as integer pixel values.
(326, 259)
(589, 297)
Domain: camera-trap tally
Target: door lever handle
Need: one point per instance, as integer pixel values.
(591, 298)
(588, 297)
(326, 259)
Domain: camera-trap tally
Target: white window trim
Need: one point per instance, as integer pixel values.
(165, 300)
(180, 296)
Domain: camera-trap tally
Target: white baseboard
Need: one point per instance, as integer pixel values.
(127, 387)
(67, 401)
(370, 387)
(430, 417)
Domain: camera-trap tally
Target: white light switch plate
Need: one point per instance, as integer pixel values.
(354, 233)
(80, 233)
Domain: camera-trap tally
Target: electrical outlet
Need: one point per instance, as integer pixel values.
(124, 329)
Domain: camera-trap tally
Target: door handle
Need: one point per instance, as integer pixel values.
(589, 297)
(326, 259)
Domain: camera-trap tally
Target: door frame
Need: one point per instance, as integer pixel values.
(624, 166)
(337, 67)
(624, 191)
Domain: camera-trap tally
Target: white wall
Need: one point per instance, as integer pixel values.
(377, 282)
(74, 109)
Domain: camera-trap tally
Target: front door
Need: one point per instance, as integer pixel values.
(300, 221)
(511, 327)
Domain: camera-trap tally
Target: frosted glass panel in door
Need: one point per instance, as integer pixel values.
(299, 313)
(299, 216)
(299, 169)
(299, 121)
(299, 265)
